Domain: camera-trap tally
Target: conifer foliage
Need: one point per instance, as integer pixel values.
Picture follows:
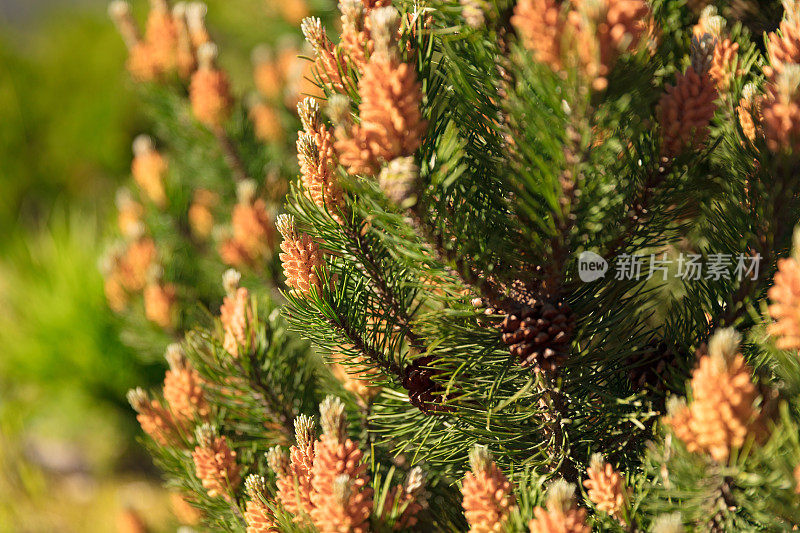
(536, 269)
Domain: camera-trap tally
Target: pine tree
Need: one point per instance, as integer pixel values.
(207, 185)
(545, 246)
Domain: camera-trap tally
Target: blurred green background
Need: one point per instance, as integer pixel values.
(69, 460)
(65, 125)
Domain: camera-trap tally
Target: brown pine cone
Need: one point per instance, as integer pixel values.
(650, 367)
(422, 389)
(539, 335)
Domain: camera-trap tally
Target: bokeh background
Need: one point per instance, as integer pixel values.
(69, 456)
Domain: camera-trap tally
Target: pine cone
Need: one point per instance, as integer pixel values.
(597, 35)
(201, 216)
(721, 415)
(422, 389)
(783, 45)
(184, 54)
(140, 63)
(267, 74)
(785, 297)
(183, 388)
(548, 520)
(391, 123)
(196, 20)
(258, 518)
(341, 496)
(129, 213)
(539, 335)
(724, 64)
(257, 514)
(253, 228)
(113, 284)
(266, 122)
(541, 24)
(116, 296)
(301, 258)
(155, 420)
(159, 303)
(724, 61)
(149, 169)
(157, 423)
(650, 368)
(749, 112)
(329, 60)
(236, 315)
(135, 263)
(161, 36)
(618, 27)
(355, 39)
(781, 111)
(234, 254)
(317, 159)
(294, 479)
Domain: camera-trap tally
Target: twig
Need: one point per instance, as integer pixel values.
(343, 326)
(764, 247)
(468, 276)
(557, 413)
(373, 269)
(638, 211)
(570, 182)
(230, 155)
(639, 208)
(237, 512)
(725, 500)
(267, 396)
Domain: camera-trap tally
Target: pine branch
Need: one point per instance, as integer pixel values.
(273, 406)
(343, 327)
(639, 208)
(237, 512)
(777, 225)
(231, 156)
(725, 502)
(554, 421)
(468, 275)
(382, 289)
(570, 181)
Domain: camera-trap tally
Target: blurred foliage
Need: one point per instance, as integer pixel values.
(66, 432)
(34, 499)
(68, 114)
(68, 111)
(66, 117)
(61, 344)
(65, 135)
